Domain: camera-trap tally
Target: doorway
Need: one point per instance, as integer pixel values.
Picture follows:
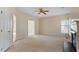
(31, 27)
(14, 28)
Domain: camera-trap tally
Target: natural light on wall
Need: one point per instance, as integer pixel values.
(31, 27)
(14, 28)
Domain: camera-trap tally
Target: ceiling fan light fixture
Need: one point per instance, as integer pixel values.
(42, 11)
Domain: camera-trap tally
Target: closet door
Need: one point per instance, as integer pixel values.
(1, 31)
(10, 29)
(6, 29)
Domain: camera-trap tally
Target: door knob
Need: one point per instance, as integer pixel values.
(8, 31)
(1, 30)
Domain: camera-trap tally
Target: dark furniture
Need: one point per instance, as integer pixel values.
(70, 46)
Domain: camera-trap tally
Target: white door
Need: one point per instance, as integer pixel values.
(9, 30)
(5, 29)
(1, 32)
(31, 27)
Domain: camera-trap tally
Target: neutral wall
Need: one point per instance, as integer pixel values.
(22, 24)
(50, 26)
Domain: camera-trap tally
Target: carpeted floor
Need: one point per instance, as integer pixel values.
(38, 43)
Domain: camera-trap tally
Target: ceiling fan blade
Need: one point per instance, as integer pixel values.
(41, 10)
(46, 11)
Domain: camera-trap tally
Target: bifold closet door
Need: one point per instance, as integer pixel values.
(7, 32)
(1, 33)
(6, 29)
(2, 30)
(10, 29)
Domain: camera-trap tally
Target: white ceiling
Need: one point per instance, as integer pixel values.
(53, 11)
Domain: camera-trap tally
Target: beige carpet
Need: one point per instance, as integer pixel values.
(38, 43)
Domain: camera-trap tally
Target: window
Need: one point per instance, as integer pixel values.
(68, 26)
(64, 26)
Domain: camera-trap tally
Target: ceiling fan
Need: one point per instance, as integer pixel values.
(42, 10)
